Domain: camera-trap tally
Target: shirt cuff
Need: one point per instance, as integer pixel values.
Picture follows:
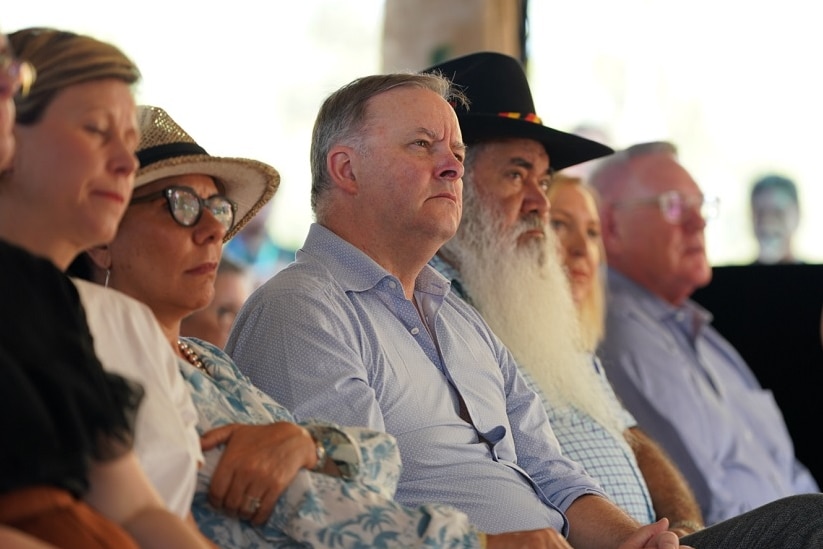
(340, 448)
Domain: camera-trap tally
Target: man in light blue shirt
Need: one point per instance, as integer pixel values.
(362, 330)
(685, 384)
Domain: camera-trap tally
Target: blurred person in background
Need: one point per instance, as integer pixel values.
(683, 382)
(775, 219)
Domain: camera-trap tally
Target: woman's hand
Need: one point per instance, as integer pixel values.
(259, 462)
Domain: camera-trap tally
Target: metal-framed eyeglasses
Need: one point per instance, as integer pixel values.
(21, 73)
(186, 206)
(674, 205)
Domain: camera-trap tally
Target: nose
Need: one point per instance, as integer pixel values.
(8, 82)
(123, 160)
(575, 243)
(209, 228)
(535, 200)
(6, 85)
(693, 220)
(451, 169)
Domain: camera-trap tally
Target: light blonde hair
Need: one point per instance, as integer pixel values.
(592, 312)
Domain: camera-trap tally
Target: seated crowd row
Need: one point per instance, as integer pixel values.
(425, 374)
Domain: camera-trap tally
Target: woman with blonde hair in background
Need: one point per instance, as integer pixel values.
(575, 221)
(70, 476)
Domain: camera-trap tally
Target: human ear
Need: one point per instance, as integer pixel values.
(340, 163)
(610, 230)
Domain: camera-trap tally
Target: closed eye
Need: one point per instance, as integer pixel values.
(97, 130)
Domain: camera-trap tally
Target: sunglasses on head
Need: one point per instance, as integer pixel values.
(186, 206)
(21, 73)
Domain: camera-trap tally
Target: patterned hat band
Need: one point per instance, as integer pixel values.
(528, 117)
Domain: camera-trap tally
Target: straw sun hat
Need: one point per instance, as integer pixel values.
(166, 150)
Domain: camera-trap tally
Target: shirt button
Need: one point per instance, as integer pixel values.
(392, 284)
(415, 331)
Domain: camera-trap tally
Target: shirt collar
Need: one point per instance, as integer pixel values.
(354, 270)
(690, 313)
(451, 274)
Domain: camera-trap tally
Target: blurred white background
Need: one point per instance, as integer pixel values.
(734, 84)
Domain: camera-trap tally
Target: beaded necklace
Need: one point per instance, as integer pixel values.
(191, 356)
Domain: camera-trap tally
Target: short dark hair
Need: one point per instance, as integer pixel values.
(775, 182)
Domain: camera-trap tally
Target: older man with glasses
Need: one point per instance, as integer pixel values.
(683, 382)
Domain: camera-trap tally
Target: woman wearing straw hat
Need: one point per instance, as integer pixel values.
(318, 484)
(69, 475)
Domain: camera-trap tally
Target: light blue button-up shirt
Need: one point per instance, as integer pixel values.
(692, 392)
(333, 337)
(606, 457)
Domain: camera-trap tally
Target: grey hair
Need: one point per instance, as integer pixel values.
(613, 172)
(343, 116)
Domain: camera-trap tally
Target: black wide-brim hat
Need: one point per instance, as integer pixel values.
(501, 105)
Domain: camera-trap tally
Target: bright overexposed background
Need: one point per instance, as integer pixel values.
(244, 78)
(733, 83)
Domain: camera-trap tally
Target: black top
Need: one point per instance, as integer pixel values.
(58, 408)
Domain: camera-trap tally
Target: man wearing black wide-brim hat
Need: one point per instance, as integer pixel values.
(504, 254)
(503, 257)
(500, 105)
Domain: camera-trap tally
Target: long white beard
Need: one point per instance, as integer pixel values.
(524, 296)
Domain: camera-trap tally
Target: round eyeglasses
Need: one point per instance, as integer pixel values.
(21, 73)
(186, 207)
(674, 206)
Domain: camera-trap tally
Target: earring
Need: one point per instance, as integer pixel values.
(108, 274)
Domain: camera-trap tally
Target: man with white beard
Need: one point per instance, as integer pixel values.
(504, 260)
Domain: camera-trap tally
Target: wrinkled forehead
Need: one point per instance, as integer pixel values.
(658, 173)
(412, 105)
